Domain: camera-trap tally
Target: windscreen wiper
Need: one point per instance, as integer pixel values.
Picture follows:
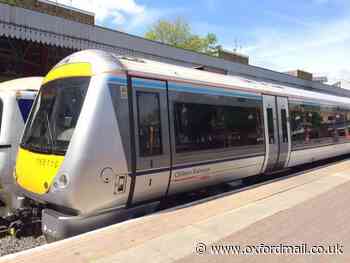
(50, 133)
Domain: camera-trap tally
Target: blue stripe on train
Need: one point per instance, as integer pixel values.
(117, 80)
(212, 91)
(153, 84)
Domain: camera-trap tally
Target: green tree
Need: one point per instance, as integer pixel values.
(9, 2)
(178, 33)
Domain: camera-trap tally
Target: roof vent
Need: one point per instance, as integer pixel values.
(211, 69)
(131, 59)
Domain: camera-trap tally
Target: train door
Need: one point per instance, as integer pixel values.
(277, 133)
(283, 132)
(151, 139)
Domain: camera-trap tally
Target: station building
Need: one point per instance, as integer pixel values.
(36, 34)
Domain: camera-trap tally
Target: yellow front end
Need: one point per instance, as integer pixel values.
(35, 172)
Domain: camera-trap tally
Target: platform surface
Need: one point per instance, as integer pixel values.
(312, 208)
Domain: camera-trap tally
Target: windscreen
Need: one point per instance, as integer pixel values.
(55, 115)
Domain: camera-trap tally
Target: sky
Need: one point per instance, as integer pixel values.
(282, 35)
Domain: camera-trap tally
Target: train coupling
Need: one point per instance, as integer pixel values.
(22, 223)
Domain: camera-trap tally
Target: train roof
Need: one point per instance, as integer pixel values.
(103, 62)
(22, 84)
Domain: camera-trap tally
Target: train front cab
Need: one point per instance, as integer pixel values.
(70, 151)
(14, 110)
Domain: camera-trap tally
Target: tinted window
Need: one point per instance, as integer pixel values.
(271, 127)
(150, 139)
(284, 125)
(313, 124)
(203, 126)
(55, 115)
(24, 106)
(342, 123)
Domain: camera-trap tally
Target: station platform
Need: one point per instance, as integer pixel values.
(310, 211)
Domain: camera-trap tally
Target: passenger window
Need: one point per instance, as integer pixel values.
(342, 123)
(149, 125)
(203, 127)
(317, 124)
(271, 126)
(284, 125)
(24, 106)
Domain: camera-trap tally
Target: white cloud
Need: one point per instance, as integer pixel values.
(116, 11)
(321, 48)
(126, 15)
(152, 15)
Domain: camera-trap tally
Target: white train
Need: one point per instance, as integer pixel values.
(111, 135)
(16, 99)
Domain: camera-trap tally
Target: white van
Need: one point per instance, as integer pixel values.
(16, 99)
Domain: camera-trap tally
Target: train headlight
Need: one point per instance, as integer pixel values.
(61, 182)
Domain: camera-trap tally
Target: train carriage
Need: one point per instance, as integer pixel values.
(16, 99)
(109, 135)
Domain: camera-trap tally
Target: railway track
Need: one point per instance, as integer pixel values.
(11, 242)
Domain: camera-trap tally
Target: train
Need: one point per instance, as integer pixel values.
(110, 136)
(16, 99)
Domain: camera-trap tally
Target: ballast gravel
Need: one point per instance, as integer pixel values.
(10, 245)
